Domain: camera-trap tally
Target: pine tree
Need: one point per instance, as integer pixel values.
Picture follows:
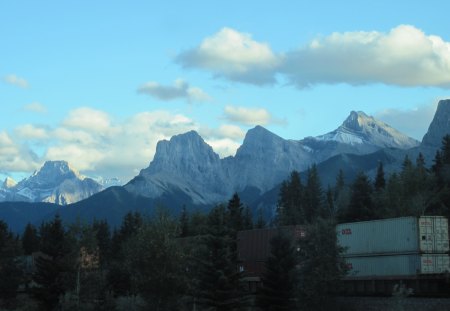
(321, 266)
(53, 267)
(280, 279)
(103, 237)
(235, 209)
(184, 223)
(313, 197)
(157, 259)
(218, 286)
(290, 203)
(361, 205)
(10, 272)
(380, 182)
(30, 240)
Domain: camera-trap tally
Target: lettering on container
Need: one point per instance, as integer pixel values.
(346, 231)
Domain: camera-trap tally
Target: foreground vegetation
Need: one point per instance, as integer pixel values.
(190, 262)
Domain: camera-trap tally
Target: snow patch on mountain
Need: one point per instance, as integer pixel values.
(360, 128)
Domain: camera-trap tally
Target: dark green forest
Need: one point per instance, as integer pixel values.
(189, 261)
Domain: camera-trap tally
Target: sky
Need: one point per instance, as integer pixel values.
(99, 83)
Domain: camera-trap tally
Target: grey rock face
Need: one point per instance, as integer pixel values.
(187, 164)
(439, 127)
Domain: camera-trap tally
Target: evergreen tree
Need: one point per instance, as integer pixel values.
(103, 237)
(218, 286)
(380, 182)
(341, 194)
(280, 279)
(321, 266)
(330, 204)
(235, 217)
(10, 272)
(30, 240)
(120, 278)
(290, 203)
(158, 261)
(184, 223)
(313, 196)
(53, 268)
(361, 206)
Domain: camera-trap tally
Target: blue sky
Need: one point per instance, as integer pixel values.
(98, 83)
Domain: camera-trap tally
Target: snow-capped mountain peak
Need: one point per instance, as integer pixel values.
(55, 182)
(359, 128)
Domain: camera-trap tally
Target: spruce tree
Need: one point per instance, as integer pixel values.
(218, 286)
(53, 268)
(290, 202)
(10, 272)
(321, 266)
(361, 206)
(313, 196)
(380, 181)
(280, 279)
(30, 240)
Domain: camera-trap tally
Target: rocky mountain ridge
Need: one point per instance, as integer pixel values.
(187, 164)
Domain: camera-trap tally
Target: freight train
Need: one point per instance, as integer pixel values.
(409, 251)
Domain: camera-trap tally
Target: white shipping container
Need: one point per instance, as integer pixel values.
(397, 265)
(425, 234)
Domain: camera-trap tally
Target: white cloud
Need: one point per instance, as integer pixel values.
(233, 55)
(405, 56)
(17, 81)
(223, 147)
(15, 157)
(180, 90)
(35, 107)
(414, 122)
(231, 131)
(87, 119)
(248, 116)
(29, 131)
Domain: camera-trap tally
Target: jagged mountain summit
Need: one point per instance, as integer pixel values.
(185, 164)
(56, 182)
(188, 166)
(359, 129)
(439, 127)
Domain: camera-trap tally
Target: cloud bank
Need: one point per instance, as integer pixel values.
(179, 90)
(98, 145)
(405, 56)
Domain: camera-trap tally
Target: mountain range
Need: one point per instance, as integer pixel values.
(186, 171)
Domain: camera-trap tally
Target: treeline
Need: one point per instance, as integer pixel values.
(413, 191)
(157, 263)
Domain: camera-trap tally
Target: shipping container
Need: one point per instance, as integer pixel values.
(397, 265)
(425, 234)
